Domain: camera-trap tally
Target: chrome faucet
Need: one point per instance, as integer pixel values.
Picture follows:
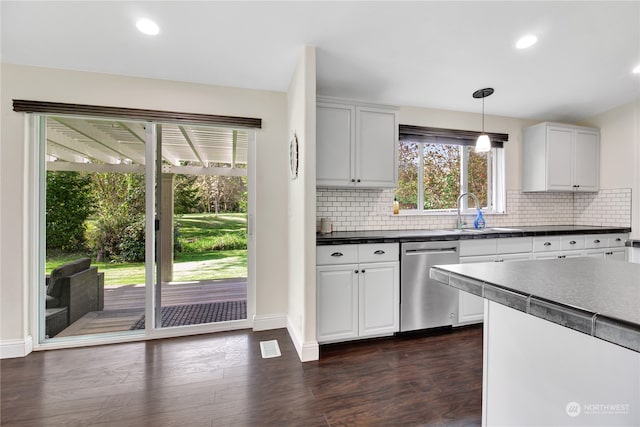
(459, 222)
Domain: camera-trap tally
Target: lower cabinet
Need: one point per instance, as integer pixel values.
(471, 307)
(378, 303)
(337, 300)
(358, 300)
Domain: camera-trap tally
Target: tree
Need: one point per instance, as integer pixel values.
(70, 201)
(187, 198)
(119, 227)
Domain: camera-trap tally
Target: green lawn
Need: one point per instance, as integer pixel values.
(213, 247)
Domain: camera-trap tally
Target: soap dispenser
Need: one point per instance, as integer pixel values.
(396, 206)
(479, 222)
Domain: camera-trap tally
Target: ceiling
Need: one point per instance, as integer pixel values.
(205, 150)
(426, 54)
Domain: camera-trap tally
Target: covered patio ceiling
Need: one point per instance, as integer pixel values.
(86, 144)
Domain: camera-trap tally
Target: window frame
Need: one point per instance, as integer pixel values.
(495, 175)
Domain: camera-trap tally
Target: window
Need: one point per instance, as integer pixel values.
(433, 172)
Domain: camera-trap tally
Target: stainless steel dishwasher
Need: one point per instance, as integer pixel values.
(425, 303)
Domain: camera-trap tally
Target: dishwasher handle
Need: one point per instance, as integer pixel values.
(431, 251)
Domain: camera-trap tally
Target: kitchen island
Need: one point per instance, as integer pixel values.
(561, 340)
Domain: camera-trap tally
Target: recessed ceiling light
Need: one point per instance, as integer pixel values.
(637, 69)
(526, 41)
(147, 26)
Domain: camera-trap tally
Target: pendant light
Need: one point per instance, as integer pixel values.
(483, 143)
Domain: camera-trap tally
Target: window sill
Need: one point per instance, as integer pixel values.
(443, 213)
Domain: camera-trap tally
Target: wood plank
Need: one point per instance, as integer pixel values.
(124, 305)
(221, 380)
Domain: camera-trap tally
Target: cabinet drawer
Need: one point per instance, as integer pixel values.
(569, 243)
(547, 244)
(378, 252)
(513, 245)
(617, 240)
(478, 247)
(336, 254)
(593, 241)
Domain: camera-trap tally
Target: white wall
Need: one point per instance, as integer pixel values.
(620, 153)
(20, 82)
(302, 207)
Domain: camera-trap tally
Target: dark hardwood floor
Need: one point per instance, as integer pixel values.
(221, 380)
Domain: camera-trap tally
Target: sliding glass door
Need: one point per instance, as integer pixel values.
(143, 226)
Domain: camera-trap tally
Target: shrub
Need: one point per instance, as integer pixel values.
(70, 201)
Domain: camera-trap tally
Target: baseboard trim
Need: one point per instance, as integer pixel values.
(269, 321)
(16, 348)
(307, 351)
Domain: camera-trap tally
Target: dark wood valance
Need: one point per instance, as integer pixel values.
(41, 107)
(448, 136)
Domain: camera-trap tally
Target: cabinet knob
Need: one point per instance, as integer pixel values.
(547, 243)
(356, 271)
(361, 271)
(573, 242)
(596, 241)
(618, 239)
(353, 180)
(358, 180)
(379, 252)
(337, 254)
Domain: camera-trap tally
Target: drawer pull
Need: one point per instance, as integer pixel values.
(618, 239)
(547, 243)
(573, 242)
(337, 254)
(562, 256)
(596, 241)
(609, 253)
(379, 252)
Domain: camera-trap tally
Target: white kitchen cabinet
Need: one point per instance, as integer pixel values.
(608, 253)
(337, 294)
(356, 145)
(378, 284)
(607, 246)
(471, 307)
(558, 157)
(361, 299)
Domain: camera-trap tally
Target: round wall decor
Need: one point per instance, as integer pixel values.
(294, 159)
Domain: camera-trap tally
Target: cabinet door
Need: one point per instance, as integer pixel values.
(335, 150)
(379, 307)
(337, 302)
(376, 148)
(587, 161)
(617, 254)
(559, 159)
(471, 307)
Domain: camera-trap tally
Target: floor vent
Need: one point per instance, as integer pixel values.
(270, 349)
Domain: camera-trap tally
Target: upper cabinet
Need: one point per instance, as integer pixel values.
(356, 145)
(557, 157)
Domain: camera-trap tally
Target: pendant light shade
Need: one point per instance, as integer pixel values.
(483, 143)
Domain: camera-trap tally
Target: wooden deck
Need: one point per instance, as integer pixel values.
(123, 305)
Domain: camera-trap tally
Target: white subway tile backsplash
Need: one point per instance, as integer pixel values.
(356, 210)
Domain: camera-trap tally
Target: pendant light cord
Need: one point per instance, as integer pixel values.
(483, 115)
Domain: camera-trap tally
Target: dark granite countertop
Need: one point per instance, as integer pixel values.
(632, 243)
(593, 296)
(401, 236)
